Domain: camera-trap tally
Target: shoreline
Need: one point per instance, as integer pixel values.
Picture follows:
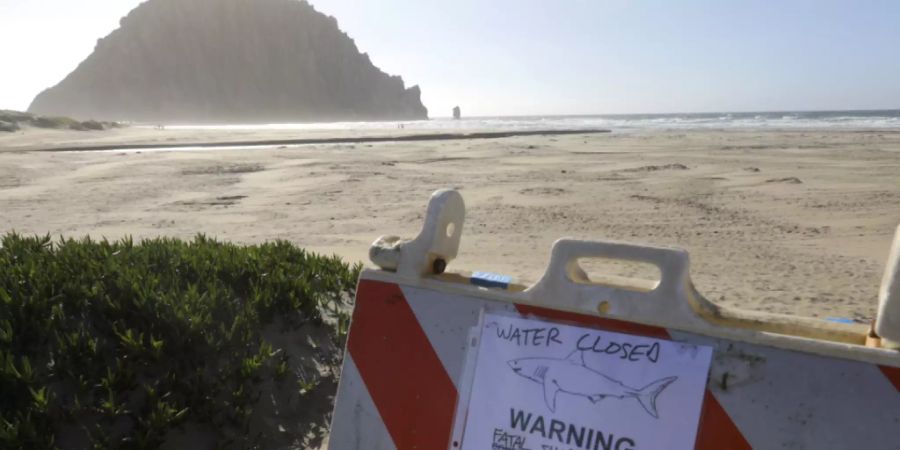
(225, 145)
(176, 140)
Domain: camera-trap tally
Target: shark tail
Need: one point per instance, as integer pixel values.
(646, 396)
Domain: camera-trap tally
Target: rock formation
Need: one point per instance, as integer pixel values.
(229, 61)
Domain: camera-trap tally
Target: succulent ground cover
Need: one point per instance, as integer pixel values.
(11, 121)
(167, 343)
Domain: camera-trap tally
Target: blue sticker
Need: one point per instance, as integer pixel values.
(840, 320)
(491, 280)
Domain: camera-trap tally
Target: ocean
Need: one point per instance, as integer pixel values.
(870, 119)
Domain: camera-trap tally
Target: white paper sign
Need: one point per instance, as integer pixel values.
(545, 386)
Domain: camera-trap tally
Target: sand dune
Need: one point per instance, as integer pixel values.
(784, 221)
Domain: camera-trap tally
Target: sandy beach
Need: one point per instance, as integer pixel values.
(791, 221)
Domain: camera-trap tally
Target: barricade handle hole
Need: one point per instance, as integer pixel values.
(638, 276)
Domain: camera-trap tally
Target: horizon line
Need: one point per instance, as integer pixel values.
(773, 111)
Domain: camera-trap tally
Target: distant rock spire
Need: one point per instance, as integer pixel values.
(456, 113)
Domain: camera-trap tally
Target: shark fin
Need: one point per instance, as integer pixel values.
(647, 395)
(550, 391)
(576, 357)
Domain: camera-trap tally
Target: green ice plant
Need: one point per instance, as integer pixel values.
(128, 341)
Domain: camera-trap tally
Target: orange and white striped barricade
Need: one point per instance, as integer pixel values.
(438, 361)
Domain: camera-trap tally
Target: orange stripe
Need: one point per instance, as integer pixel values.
(892, 374)
(405, 377)
(618, 326)
(717, 430)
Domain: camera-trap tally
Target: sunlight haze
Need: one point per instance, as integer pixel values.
(574, 57)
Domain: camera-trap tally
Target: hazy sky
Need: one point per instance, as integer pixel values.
(512, 57)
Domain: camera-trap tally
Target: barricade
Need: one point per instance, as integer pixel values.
(439, 360)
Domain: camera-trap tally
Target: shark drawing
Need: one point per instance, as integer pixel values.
(572, 376)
